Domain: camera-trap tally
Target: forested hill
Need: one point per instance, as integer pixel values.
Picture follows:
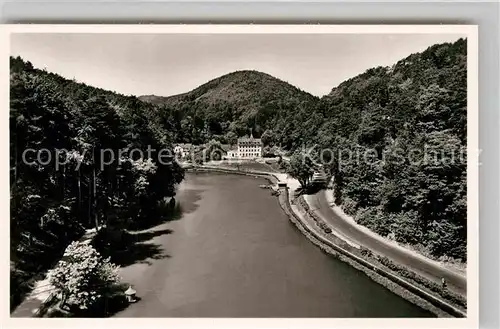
(56, 195)
(396, 91)
(414, 115)
(231, 105)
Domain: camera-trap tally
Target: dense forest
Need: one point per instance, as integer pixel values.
(56, 195)
(232, 105)
(411, 118)
(417, 106)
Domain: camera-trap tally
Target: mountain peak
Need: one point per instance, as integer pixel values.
(238, 87)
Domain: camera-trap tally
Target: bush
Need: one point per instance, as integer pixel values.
(437, 288)
(366, 252)
(444, 238)
(349, 206)
(20, 285)
(83, 276)
(405, 227)
(375, 220)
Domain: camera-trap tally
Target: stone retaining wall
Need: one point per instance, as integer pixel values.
(327, 245)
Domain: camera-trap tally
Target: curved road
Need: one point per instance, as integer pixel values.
(427, 268)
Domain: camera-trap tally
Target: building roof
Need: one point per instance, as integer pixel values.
(249, 141)
(184, 145)
(130, 291)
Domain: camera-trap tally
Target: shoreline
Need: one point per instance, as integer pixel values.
(395, 283)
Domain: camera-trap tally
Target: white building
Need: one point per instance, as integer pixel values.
(183, 150)
(249, 148)
(232, 154)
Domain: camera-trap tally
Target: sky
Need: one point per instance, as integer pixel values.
(169, 64)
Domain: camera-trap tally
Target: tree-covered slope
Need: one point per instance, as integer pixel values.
(234, 104)
(407, 126)
(61, 181)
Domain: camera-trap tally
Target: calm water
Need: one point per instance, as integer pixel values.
(235, 254)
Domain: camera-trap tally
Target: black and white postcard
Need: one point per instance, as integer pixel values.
(242, 171)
